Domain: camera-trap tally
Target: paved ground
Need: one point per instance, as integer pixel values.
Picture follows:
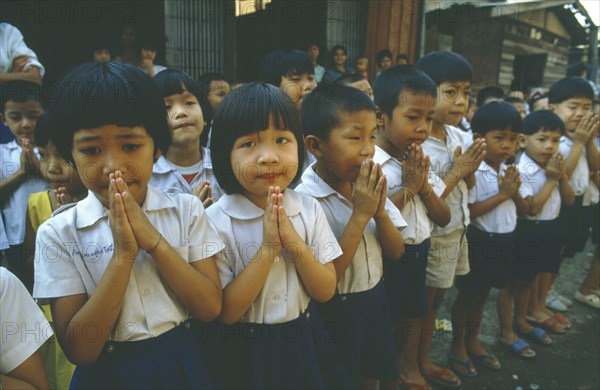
(572, 361)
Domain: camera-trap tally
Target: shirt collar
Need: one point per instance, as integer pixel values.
(239, 207)
(90, 209)
(12, 145)
(527, 162)
(162, 165)
(314, 185)
(381, 156)
(566, 140)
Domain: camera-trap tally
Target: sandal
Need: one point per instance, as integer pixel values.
(488, 361)
(538, 335)
(443, 377)
(520, 347)
(413, 386)
(463, 368)
(564, 321)
(551, 325)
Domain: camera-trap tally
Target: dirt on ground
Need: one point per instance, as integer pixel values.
(572, 361)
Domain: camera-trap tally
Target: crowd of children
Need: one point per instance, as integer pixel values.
(172, 229)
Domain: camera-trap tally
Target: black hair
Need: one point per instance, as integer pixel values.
(278, 64)
(576, 69)
(381, 54)
(489, 92)
(322, 109)
(445, 66)
(100, 44)
(20, 91)
(349, 78)
(248, 109)
(542, 120)
(513, 99)
(568, 88)
(336, 48)
(496, 115)
(108, 93)
(362, 55)
(535, 98)
(393, 82)
(43, 128)
(402, 56)
(173, 81)
(207, 112)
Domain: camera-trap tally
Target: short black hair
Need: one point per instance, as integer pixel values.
(349, 78)
(43, 128)
(445, 66)
(576, 69)
(322, 108)
(249, 109)
(278, 64)
(108, 93)
(393, 82)
(489, 92)
(207, 112)
(20, 91)
(568, 88)
(513, 99)
(542, 120)
(402, 56)
(381, 54)
(173, 81)
(496, 115)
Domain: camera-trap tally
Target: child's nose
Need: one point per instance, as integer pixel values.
(267, 156)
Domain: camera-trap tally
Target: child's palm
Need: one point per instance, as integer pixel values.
(126, 246)
(412, 169)
(270, 221)
(469, 161)
(365, 192)
(555, 168)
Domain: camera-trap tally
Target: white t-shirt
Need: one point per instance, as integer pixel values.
(239, 223)
(533, 178)
(24, 327)
(366, 269)
(74, 247)
(12, 46)
(503, 218)
(414, 212)
(580, 179)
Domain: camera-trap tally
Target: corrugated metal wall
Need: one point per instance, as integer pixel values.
(347, 25)
(195, 35)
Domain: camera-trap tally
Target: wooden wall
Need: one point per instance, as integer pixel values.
(394, 25)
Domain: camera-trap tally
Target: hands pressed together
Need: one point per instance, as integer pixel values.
(369, 192)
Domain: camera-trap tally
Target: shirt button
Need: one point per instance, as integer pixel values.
(154, 333)
(110, 348)
(277, 259)
(145, 292)
(307, 314)
(343, 298)
(277, 297)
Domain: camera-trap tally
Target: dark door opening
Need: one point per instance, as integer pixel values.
(528, 71)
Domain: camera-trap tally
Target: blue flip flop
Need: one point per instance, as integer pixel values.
(484, 361)
(537, 335)
(519, 347)
(467, 365)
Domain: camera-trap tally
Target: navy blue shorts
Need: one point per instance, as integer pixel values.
(538, 246)
(489, 256)
(361, 328)
(169, 361)
(297, 354)
(575, 226)
(594, 215)
(405, 282)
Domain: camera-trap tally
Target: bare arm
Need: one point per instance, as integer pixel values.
(437, 209)
(536, 202)
(32, 74)
(567, 196)
(30, 374)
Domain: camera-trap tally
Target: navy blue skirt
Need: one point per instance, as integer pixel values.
(575, 226)
(538, 245)
(169, 361)
(298, 354)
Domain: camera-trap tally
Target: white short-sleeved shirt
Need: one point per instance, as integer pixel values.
(12, 46)
(366, 269)
(74, 247)
(24, 327)
(240, 224)
(580, 179)
(441, 155)
(3, 238)
(167, 177)
(533, 178)
(415, 212)
(14, 207)
(502, 219)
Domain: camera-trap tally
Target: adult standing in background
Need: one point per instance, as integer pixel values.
(17, 61)
(339, 57)
(313, 52)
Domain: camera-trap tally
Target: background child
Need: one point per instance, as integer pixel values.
(100, 51)
(129, 260)
(545, 186)
(406, 97)
(362, 66)
(489, 94)
(448, 254)
(280, 248)
(214, 87)
(357, 81)
(20, 175)
(384, 60)
(186, 166)
(66, 187)
(338, 56)
(493, 205)
(340, 127)
(518, 103)
(148, 51)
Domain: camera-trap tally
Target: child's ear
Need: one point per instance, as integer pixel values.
(313, 145)
(476, 136)
(522, 140)
(551, 107)
(379, 116)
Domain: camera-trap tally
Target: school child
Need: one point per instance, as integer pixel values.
(571, 99)
(279, 252)
(544, 185)
(100, 51)
(489, 94)
(20, 176)
(214, 87)
(406, 97)
(357, 81)
(384, 60)
(362, 66)
(494, 202)
(340, 127)
(454, 158)
(519, 104)
(148, 51)
(129, 262)
(21, 365)
(186, 166)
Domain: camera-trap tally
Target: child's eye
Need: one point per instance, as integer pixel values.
(131, 147)
(450, 92)
(168, 107)
(247, 144)
(90, 150)
(411, 117)
(190, 103)
(43, 155)
(374, 136)
(282, 140)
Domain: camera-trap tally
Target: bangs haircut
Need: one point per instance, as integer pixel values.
(569, 88)
(96, 94)
(278, 64)
(542, 120)
(173, 81)
(393, 82)
(43, 128)
(322, 108)
(445, 66)
(249, 109)
(20, 91)
(489, 92)
(496, 115)
(381, 54)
